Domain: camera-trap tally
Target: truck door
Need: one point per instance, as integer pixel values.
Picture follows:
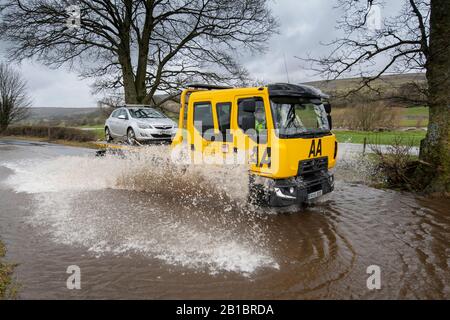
(224, 141)
(202, 129)
(251, 135)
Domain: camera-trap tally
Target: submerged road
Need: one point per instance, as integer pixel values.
(145, 231)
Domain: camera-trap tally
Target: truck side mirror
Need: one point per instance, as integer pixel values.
(327, 107)
(330, 122)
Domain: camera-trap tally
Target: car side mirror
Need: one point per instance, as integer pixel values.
(327, 107)
(249, 105)
(248, 121)
(122, 117)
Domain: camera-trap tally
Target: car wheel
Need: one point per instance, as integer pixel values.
(108, 137)
(131, 137)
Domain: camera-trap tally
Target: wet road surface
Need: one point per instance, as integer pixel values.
(154, 235)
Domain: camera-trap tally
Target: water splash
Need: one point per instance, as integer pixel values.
(186, 215)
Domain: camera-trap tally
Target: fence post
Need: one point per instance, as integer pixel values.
(364, 146)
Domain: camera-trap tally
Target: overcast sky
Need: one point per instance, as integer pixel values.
(303, 25)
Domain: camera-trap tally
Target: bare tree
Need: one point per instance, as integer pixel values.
(416, 39)
(411, 93)
(108, 103)
(366, 115)
(14, 102)
(143, 46)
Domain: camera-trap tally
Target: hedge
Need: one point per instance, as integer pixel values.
(53, 133)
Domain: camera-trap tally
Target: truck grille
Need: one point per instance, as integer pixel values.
(309, 166)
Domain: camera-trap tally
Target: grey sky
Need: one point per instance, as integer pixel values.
(303, 25)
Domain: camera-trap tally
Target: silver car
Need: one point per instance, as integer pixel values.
(139, 124)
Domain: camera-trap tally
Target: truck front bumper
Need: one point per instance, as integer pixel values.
(286, 192)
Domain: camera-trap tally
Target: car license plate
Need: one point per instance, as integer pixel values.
(166, 131)
(315, 194)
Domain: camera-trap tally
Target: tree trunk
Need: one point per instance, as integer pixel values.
(3, 127)
(128, 78)
(435, 148)
(4, 120)
(141, 72)
(134, 86)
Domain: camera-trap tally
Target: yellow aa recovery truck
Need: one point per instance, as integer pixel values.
(282, 131)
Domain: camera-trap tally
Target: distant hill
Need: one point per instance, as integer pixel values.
(401, 90)
(58, 113)
(63, 116)
(384, 82)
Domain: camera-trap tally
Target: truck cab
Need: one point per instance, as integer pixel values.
(281, 131)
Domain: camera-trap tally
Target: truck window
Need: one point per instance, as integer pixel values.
(260, 124)
(203, 118)
(223, 110)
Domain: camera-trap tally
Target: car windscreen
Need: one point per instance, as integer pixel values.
(144, 113)
(298, 116)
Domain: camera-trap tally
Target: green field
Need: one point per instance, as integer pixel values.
(414, 117)
(100, 133)
(412, 137)
(410, 118)
(98, 129)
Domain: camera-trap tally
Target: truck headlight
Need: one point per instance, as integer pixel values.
(279, 193)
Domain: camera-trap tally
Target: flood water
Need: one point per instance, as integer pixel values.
(146, 230)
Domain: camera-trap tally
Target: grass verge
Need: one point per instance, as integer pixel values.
(8, 288)
(411, 137)
(87, 137)
(97, 130)
(88, 144)
(52, 133)
(414, 117)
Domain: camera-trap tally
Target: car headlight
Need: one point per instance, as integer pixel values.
(144, 126)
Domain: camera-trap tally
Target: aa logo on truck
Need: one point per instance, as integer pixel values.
(265, 159)
(315, 151)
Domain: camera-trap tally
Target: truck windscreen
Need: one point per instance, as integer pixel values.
(296, 117)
